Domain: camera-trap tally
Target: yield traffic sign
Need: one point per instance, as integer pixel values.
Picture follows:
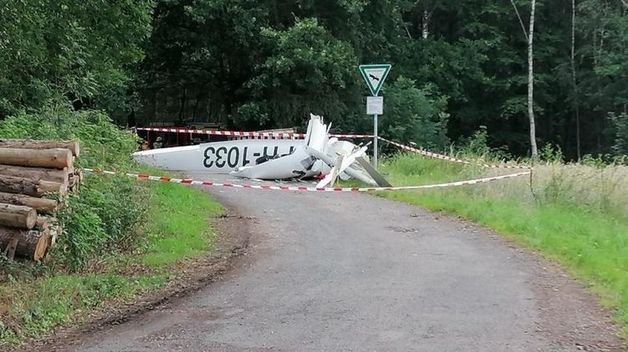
(375, 75)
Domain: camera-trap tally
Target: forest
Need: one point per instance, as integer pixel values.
(458, 67)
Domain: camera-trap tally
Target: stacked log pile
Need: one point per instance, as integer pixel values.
(35, 176)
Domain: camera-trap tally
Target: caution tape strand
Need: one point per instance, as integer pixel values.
(249, 134)
(298, 135)
(434, 155)
(207, 183)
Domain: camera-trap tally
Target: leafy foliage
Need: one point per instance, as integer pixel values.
(415, 115)
(307, 68)
(103, 217)
(102, 143)
(249, 64)
(253, 64)
(76, 51)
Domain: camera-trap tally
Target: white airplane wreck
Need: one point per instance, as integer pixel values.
(273, 159)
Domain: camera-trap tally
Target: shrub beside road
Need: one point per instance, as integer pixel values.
(122, 237)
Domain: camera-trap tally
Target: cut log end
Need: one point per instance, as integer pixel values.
(30, 169)
(17, 216)
(31, 244)
(41, 246)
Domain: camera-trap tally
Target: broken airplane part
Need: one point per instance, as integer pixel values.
(316, 155)
(217, 157)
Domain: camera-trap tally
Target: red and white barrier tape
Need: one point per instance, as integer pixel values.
(188, 181)
(295, 135)
(452, 159)
(254, 134)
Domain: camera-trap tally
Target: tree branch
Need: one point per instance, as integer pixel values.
(523, 27)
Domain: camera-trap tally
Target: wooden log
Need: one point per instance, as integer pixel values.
(73, 146)
(9, 251)
(37, 173)
(42, 205)
(80, 174)
(53, 158)
(75, 179)
(51, 225)
(54, 231)
(43, 223)
(73, 182)
(30, 187)
(31, 244)
(17, 216)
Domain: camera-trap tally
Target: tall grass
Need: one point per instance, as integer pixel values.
(576, 214)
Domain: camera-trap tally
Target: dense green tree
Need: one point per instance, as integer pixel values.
(414, 114)
(55, 52)
(305, 70)
(250, 64)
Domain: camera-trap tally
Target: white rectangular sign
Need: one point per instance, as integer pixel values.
(374, 105)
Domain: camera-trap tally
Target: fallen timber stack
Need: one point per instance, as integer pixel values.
(35, 176)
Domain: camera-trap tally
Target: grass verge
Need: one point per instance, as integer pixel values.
(176, 227)
(562, 220)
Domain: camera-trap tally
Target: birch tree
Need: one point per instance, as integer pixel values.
(573, 76)
(529, 35)
(533, 147)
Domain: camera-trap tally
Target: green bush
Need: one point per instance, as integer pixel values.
(103, 216)
(415, 115)
(101, 219)
(103, 144)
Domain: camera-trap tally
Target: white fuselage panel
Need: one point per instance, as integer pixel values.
(217, 157)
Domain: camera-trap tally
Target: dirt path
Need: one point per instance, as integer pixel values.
(353, 272)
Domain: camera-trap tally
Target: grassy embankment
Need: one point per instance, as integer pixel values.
(123, 237)
(577, 214)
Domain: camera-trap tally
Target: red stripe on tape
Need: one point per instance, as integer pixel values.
(254, 134)
(453, 159)
(302, 188)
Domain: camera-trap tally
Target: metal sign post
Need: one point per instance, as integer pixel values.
(375, 148)
(375, 75)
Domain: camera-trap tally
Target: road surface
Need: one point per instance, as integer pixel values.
(354, 272)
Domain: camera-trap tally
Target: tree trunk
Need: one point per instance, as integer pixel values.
(182, 106)
(533, 147)
(30, 187)
(52, 158)
(42, 205)
(523, 27)
(31, 244)
(37, 173)
(425, 29)
(17, 216)
(573, 76)
(73, 146)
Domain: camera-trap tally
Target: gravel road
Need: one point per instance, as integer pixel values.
(354, 272)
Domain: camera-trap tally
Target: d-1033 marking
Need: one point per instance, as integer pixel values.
(233, 157)
(218, 157)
